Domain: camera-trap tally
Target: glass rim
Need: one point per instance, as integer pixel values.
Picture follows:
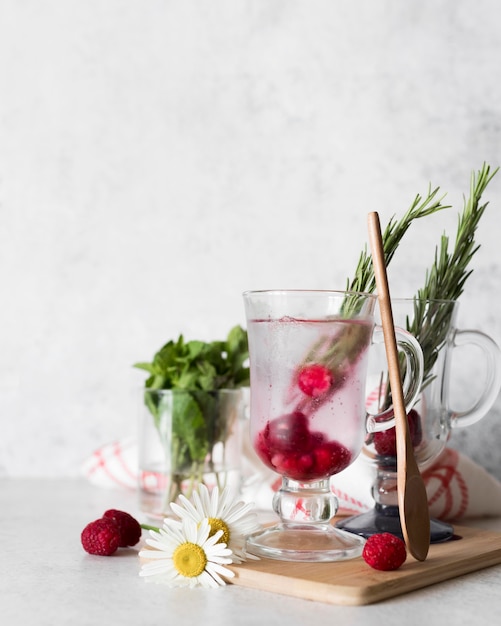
(418, 299)
(224, 390)
(346, 292)
(333, 292)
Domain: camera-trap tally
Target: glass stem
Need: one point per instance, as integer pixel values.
(305, 502)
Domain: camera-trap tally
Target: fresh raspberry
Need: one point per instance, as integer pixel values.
(294, 466)
(288, 433)
(385, 442)
(287, 445)
(331, 458)
(314, 380)
(129, 528)
(101, 537)
(384, 551)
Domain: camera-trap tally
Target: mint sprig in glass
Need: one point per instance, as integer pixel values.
(193, 395)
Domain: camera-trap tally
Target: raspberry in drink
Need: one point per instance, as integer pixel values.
(308, 393)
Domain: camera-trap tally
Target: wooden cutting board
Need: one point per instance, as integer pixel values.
(353, 582)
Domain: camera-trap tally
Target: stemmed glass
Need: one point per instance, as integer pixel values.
(308, 360)
(433, 417)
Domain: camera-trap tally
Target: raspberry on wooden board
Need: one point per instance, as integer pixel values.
(384, 551)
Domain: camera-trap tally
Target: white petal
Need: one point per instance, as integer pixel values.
(204, 530)
(235, 512)
(214, 580)
(186, 509)
(171, 526)
(155, 554)
(225, 500)
(155, 568)
(214, 539)
(221, 560)
(198, 504)
(214, 502)
(218, 548)
(216, 571)
(208, 501)
(191, 531)
(201, 501)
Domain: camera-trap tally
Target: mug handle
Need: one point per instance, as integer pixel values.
(412, 379)
(492, 383)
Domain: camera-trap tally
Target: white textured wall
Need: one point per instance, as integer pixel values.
(159, 157)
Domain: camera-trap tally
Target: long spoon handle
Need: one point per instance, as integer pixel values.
(412, 498)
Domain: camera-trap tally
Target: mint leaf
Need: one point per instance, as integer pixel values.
(207, 376)
(189, 431)
(200, 365)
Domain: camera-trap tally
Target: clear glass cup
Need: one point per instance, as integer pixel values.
(308, 421)
(188, 438)
(435, 414)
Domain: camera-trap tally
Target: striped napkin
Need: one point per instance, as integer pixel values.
(457, 487)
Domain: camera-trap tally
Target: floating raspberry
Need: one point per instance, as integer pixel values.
(101, 537)
(384, 551)
(129, 528)
(385, 442)
(314, 380)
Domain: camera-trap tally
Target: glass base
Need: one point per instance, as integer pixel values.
(303, 542)
(383, 519)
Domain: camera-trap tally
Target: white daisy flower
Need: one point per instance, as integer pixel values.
(234, 519)
(185, 554)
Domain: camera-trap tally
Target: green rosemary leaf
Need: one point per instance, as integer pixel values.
(364, 279)
(446, 278)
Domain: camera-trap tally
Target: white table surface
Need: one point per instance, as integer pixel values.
(47, 579)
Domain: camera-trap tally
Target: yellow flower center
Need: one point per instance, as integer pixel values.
(218, 524)
(189, 559)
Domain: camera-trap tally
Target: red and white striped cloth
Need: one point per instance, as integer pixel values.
(457, 487)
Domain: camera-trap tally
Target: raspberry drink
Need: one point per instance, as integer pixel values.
(308, 354)
(308, 402)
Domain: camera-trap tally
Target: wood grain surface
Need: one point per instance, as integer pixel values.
(353, 582)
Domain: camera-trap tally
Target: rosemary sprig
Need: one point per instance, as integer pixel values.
(364, 279)
(445, 279)
(447, 276)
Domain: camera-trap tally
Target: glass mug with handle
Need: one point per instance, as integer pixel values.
(309, 354)
(435, 415)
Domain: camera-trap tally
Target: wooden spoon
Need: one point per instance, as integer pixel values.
(412, 498)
